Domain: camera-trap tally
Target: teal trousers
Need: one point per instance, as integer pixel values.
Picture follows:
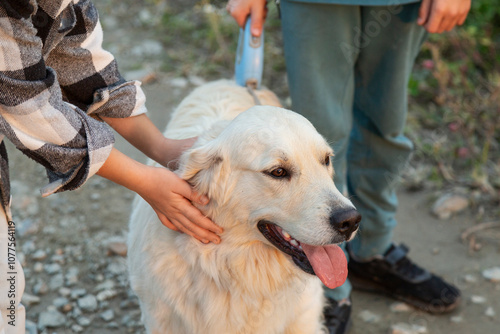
(348, 69)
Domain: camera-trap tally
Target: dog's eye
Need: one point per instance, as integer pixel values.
(327, 160)
(279, 172)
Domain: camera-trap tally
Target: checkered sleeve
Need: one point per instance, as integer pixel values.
(33, 115)
(88, 74)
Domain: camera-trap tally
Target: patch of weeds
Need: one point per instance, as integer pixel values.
(455, 91)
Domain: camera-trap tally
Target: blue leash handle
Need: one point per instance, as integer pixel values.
(249, 58)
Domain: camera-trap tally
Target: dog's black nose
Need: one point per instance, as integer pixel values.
(345, 222)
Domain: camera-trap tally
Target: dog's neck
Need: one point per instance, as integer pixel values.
(244, 260)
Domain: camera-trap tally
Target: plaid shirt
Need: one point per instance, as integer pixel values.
(54, 75)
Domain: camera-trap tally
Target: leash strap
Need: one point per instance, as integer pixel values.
(251, 87)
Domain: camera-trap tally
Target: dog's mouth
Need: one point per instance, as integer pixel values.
(327, 262)
(285, 243)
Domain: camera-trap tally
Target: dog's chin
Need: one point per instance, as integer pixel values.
(285, 243)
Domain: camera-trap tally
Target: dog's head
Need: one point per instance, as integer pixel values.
(269, 174)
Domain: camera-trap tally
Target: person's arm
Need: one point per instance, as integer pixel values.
(437, 16)
(256, 9)
(71, 145)
(102, 92)
(168, 195)
(145, 136)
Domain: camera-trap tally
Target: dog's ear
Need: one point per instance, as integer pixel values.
(205, 168)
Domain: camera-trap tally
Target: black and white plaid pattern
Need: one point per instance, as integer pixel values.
(53, 75)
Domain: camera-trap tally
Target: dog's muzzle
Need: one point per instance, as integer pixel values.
(345, 223)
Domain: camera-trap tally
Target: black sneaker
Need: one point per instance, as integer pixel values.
(337, 316)
(396, 275)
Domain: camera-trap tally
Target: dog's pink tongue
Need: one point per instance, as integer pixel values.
(329, 263)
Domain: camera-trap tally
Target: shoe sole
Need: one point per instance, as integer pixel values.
(370, 286)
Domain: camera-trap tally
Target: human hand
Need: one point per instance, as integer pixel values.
(173, 148)
(171, 197)
(168, 195)
(241, 9)
(437, 16)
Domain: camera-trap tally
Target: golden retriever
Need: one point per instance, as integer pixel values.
(268, 174)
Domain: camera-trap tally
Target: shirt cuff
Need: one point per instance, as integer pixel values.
(100, 140)
(122, 100)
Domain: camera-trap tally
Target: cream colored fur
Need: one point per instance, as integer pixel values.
(244, 284)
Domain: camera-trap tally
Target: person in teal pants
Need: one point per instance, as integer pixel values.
(348, 66)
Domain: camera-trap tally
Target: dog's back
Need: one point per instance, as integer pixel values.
(216, 101)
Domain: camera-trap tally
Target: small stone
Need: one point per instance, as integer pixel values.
(449, 204)
(107, 315)
(400, 307)
(83, 321)
(38, 267)
(117, 268)
(88, 303)
(51, 318)
(404, 328)
(145, 16)
(28, 247)
(457, 319)
(117, 248)
(64, 292)
(59, 302)
(369, 317)
(67, 308)
(39, 255)
(478, 299)
(490, 312)
(29, 300)
(147, 48)
(40, 288)
(113, 325)
(492, 274)
(95, 196)
(52, 268)
(470, 278)
(179, 82)
(106, 285)
(196, 80)
(72, 276)
(76, 312)
(30, 327)
(77, 328)
(58, 258)
(106, 294)
(56, 282)
(77, 293)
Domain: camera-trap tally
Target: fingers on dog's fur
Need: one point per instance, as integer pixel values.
(204, 226)
(187, 226)
(164, 220)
